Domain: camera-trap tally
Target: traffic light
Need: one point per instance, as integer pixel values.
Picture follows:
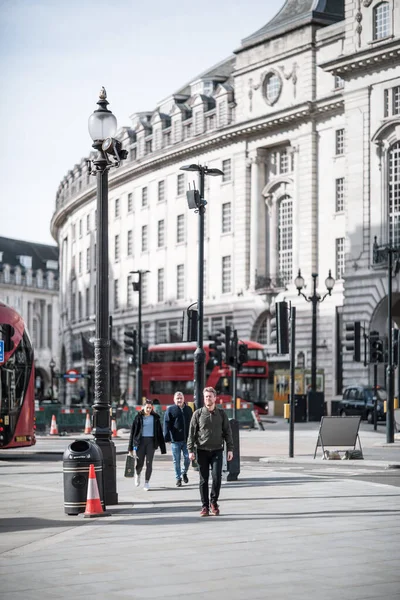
(130, 342)
(282, 327)
(243, 355)
(375, 347)
(7, 332)
(396, 339)
(192, 316)
(229, 355)
(353, 339)
(216, 348)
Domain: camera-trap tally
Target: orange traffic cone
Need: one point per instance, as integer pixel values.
(88, 424)
(93, 503)
(53, 426)
(114, 428)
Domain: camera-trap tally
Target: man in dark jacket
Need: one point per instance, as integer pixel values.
(209, 429)
(176, 430)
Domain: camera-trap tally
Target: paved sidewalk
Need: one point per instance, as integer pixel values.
(282, 535)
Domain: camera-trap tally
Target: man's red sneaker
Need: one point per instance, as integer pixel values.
(204, 512)
(215, 510)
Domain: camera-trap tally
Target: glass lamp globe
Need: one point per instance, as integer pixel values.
(102, 124)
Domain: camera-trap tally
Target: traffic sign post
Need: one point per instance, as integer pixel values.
(1, 351)
(72, 376)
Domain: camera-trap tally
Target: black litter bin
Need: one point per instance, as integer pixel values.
(316, 405)
(76, 462)
(300, 408)
(233, 466)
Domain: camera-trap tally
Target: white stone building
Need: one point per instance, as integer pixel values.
(29, 284)
(303, 119)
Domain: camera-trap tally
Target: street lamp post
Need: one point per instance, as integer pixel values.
(102, 127)
(52, 366)
(197, 202)
(315, 299)
(137, 287)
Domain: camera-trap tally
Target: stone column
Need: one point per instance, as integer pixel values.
(257, 210)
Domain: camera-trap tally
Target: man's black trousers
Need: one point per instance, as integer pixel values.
(205, 460)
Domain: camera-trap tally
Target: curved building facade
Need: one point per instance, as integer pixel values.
(303, 121)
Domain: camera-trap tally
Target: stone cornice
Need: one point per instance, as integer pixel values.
(364, 60)
(184, 150)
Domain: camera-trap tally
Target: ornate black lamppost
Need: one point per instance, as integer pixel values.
(197, 201)
(102, 128)
(52, 367)
(315, 299)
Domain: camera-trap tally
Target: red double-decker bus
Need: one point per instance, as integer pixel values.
(17, 391)
(169, 368)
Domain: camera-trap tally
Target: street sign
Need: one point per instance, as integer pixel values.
(72, 376)
(1, 351)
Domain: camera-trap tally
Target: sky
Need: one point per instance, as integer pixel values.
(55, 56)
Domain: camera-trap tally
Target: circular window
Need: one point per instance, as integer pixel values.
(272, 87)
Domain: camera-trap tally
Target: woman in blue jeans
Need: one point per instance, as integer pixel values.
(176, 429)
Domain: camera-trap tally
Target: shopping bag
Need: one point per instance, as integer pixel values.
(130, 466)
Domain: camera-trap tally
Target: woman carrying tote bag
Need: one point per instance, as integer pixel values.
(146, 436)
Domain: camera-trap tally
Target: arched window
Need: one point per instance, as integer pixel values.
(262, 337)
(285, 239)
(394, 194)
(381, 21)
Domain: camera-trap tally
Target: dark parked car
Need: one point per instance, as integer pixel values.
(359, 400)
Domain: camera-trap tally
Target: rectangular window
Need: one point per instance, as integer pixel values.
(130, 202)
(129, 291)
(129, 245)
(80, 227)
(161, 332)
(226, 217)
(180, 282)
(144, 238)
(381, 17)
(226, 275)
(116, 294)
(386, 109)
(339, 194)
(144, 196)
(339, 142)
(148, 148)
(339, 258)
(160, 234)
(88, 260)
(227, 170)
(180, 229)
(145, 287)
(180, 184)
(73, 306)
(116, 248)
(80, 306)
(95, 257)
(187, 131)
(80, 262)
(283, 162)
(160, 285)
(116, 208)
(396, 100)
(73, 233)
(87, 223)
(49, 326)
(87, 308)
(161, 191)
(210, 123)
(166, 139)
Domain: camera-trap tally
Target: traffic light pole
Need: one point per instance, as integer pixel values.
(390, 369)
(375, 396)
(292, 378)
(139, 348)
